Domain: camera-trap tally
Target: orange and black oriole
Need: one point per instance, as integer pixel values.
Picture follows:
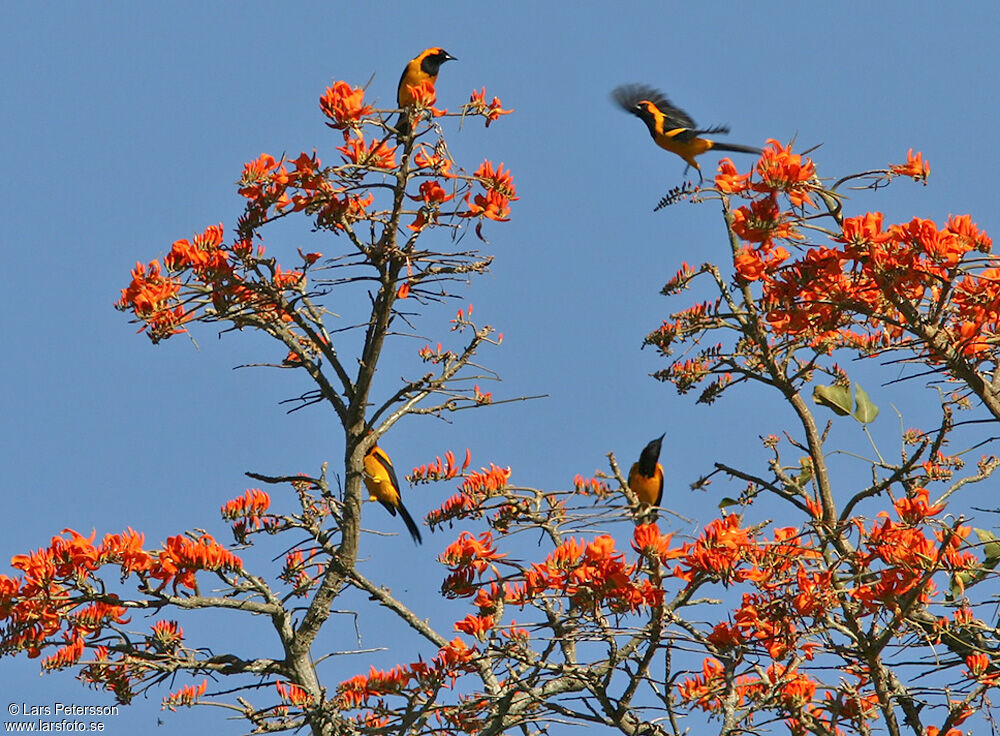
(672, 128)
(646, 476)
(383, 486)
(421, 68)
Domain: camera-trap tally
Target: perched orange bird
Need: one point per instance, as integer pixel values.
(646, 476)
(671, 128)
(423, 67)
(383, 486)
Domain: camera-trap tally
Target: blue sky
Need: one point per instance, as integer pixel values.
(126, 124)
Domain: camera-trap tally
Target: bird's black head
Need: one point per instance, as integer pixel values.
(639, 100)
(650, 455)
(432, 60)
(644, 111)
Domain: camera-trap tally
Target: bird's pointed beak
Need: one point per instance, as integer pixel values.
(449, 57)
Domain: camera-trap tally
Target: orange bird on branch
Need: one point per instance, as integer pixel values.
(421, 68)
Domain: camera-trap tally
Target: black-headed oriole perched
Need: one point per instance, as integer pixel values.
(646, 476)
(423, 67)
(383, 486)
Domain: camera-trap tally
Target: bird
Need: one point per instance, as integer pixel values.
(671, 128)
(646, 476)
(383, 486)
(421, 68)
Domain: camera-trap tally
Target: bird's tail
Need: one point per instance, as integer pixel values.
(735, 148)
(410, 525)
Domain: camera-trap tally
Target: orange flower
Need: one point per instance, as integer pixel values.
(438, 471)
(453, 655)
(914, 166)
(263, 178)
(706, 689)
(496, 180)
(287, 280)
(295, 573)
(376, 154)
(763, 221)
(181, 557)
(459, 506)
(917, 507)
(151, 296)
(588, 486)
(419, 222)
(493, 206)
(477, 106)
(477, 626)
(435, 161)
(343, 104)
(966, 230)
(424, 94)
(293, 694)
(431, 192)
(94, 617)
(725, 636)
(66, 656)
(864, 231)
(168, 634)
(749, 265)
(428, 354)
(310, 258)
(923, 236)
(486, 481)
(978, 664)
(782, 171)
(500, 191)
(338, 211)
(647, 541)
(729, 180)
(469, 552)
(720, 551)
(125, 549)
(187, 695)
(203, 255)
(253, 503)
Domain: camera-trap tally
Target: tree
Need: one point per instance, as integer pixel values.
(857, 613)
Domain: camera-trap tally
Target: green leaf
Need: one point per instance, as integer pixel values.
(727, 501)
(864, 410)
(991, 547)
(836, 398)
(804, 476)
(968, 579)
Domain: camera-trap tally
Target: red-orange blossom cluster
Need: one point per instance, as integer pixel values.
(206, 278)
(850, 292)
(58, 600)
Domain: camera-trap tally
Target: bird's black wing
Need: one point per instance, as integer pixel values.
(629, 95)
(382, 459)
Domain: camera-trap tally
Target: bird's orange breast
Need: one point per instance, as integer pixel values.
(378, 481)
(649, 489)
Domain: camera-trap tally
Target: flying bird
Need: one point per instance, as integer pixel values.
(671, 128)
(423, 67)
(646, 476)
(383, 486)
